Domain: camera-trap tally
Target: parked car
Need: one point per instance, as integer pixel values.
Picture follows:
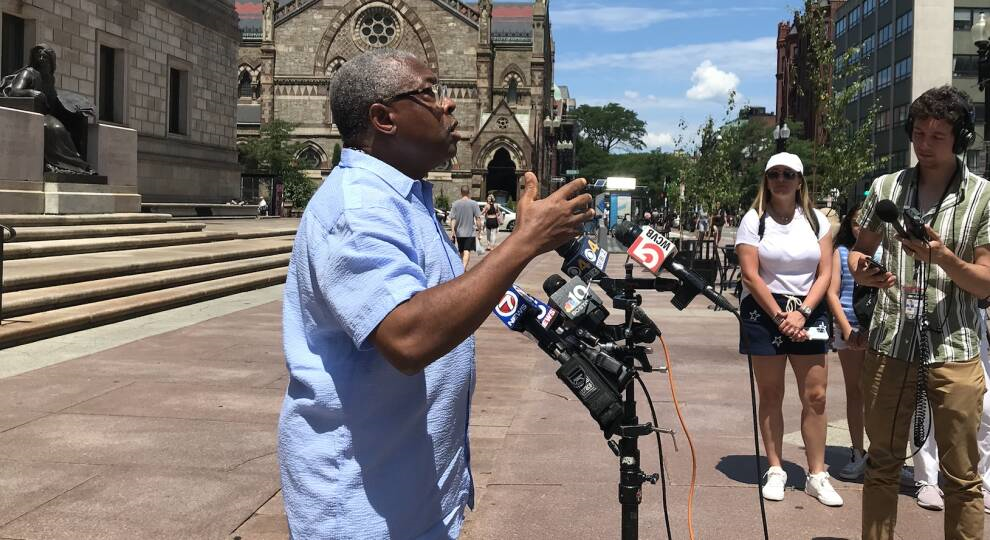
(508, 216)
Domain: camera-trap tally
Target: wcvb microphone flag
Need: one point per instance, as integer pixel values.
(651, 249)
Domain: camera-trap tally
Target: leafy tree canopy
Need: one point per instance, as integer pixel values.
(274, 153)
(612, 126)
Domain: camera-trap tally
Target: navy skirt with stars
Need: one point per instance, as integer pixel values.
(765, 338)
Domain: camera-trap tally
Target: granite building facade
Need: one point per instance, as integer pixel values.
(497, 60)
(160, 67)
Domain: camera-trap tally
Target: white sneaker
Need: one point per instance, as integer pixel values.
(818, 486)
(773, 489)
(855, 468)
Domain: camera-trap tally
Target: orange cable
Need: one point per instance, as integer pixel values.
(687, 435)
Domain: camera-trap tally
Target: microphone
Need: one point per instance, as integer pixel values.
(583, 257)
(887, 212)
(575, 299)
(579, 367)
(652, 251)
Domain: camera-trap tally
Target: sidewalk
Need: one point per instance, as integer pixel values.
(164, 427)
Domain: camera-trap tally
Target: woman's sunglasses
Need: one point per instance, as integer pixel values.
(788, 175)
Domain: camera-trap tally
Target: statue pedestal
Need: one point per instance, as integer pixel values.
(26, 189)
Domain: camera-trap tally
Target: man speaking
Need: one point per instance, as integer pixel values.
(379, 316)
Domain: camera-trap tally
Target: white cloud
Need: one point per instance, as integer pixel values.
(758, 56)
(659, 140)
(711, 82)
(624, 19)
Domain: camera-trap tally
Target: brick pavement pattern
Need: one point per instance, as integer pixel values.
(173, 436)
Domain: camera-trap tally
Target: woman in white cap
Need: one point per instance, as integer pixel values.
(785, 257)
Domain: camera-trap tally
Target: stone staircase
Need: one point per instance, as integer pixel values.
(66, 273)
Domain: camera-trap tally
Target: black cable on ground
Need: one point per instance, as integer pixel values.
(663, 474)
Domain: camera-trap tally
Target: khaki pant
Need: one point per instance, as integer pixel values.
(955, 392)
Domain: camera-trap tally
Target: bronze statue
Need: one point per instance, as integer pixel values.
(66, 115)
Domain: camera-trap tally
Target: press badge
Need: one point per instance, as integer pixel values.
(913, 300)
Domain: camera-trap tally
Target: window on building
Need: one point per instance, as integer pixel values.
(883, 120)
(869, 45)
(244, 88)
(840, 27)
(854, 17)
(901, 114)
(309, 158)
(111, 84)
(972, 159)
(11, 44)
(513, 94)
(898, 160)
(904, 23)
(869, 6)
(867, 87)
(178, 101)
(965, 65)
(884, 2)
(884, 36)
(883, 78)
(840, 64)
(902, 69)
(963, 19)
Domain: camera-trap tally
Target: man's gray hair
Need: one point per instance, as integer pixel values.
(364, 80)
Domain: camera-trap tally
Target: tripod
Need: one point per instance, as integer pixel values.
(631, 475)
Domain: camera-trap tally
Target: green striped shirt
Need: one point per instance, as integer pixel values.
(963, 223)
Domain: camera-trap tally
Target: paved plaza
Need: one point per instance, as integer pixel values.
(164, 427)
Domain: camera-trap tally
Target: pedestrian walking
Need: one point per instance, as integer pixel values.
(848, 340)
(785, 258)
(464, 215)
(493, 219)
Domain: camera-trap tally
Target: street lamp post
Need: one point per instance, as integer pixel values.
(982, 42)
(780, 134)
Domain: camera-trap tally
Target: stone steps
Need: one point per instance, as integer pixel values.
(30, 301)
(27, 328)
(66, 232)
(53, 271)
(41, 220)
(54, 248)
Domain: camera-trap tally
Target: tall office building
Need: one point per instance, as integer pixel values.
(905, 48)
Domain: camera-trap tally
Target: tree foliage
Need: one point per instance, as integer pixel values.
(274, 153)
(612, 126)
(841, 152)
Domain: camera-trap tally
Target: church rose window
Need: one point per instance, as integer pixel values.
(502, 123)
(377, 26)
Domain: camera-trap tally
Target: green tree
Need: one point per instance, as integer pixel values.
(336, 155)
(274, 153)
(841, 152)
(611, 126)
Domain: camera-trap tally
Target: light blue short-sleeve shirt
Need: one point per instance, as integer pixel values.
(365, 451)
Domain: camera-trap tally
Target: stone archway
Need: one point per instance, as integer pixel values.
(502, 176)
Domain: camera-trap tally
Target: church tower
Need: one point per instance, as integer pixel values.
(484, 57)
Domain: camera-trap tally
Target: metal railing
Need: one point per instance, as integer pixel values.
(4, 232)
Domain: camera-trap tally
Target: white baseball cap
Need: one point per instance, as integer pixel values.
(788, 160)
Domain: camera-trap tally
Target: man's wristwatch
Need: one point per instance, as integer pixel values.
(804, 310)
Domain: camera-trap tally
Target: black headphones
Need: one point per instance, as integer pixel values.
(965, 126)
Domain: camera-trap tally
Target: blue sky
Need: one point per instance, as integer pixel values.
(668, 60)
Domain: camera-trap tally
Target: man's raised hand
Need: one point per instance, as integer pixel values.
(548, 223)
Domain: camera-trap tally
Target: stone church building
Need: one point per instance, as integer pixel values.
(496, 59)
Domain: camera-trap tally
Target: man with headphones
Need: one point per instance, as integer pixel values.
(925, 323)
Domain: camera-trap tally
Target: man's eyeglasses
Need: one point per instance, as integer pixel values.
(787, 175)
(435, 92)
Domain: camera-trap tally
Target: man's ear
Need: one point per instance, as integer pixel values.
(382, 119)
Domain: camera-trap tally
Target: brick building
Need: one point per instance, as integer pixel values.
(795, 101)
(160, 67)
(497, 60)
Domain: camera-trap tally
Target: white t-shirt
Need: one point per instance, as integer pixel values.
(789, 254)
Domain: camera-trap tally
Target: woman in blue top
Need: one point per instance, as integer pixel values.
(849, 341)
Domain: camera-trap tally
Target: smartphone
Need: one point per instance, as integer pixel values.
(817, 333)
(874, 264)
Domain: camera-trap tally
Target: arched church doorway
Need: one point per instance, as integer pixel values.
(501, 178)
